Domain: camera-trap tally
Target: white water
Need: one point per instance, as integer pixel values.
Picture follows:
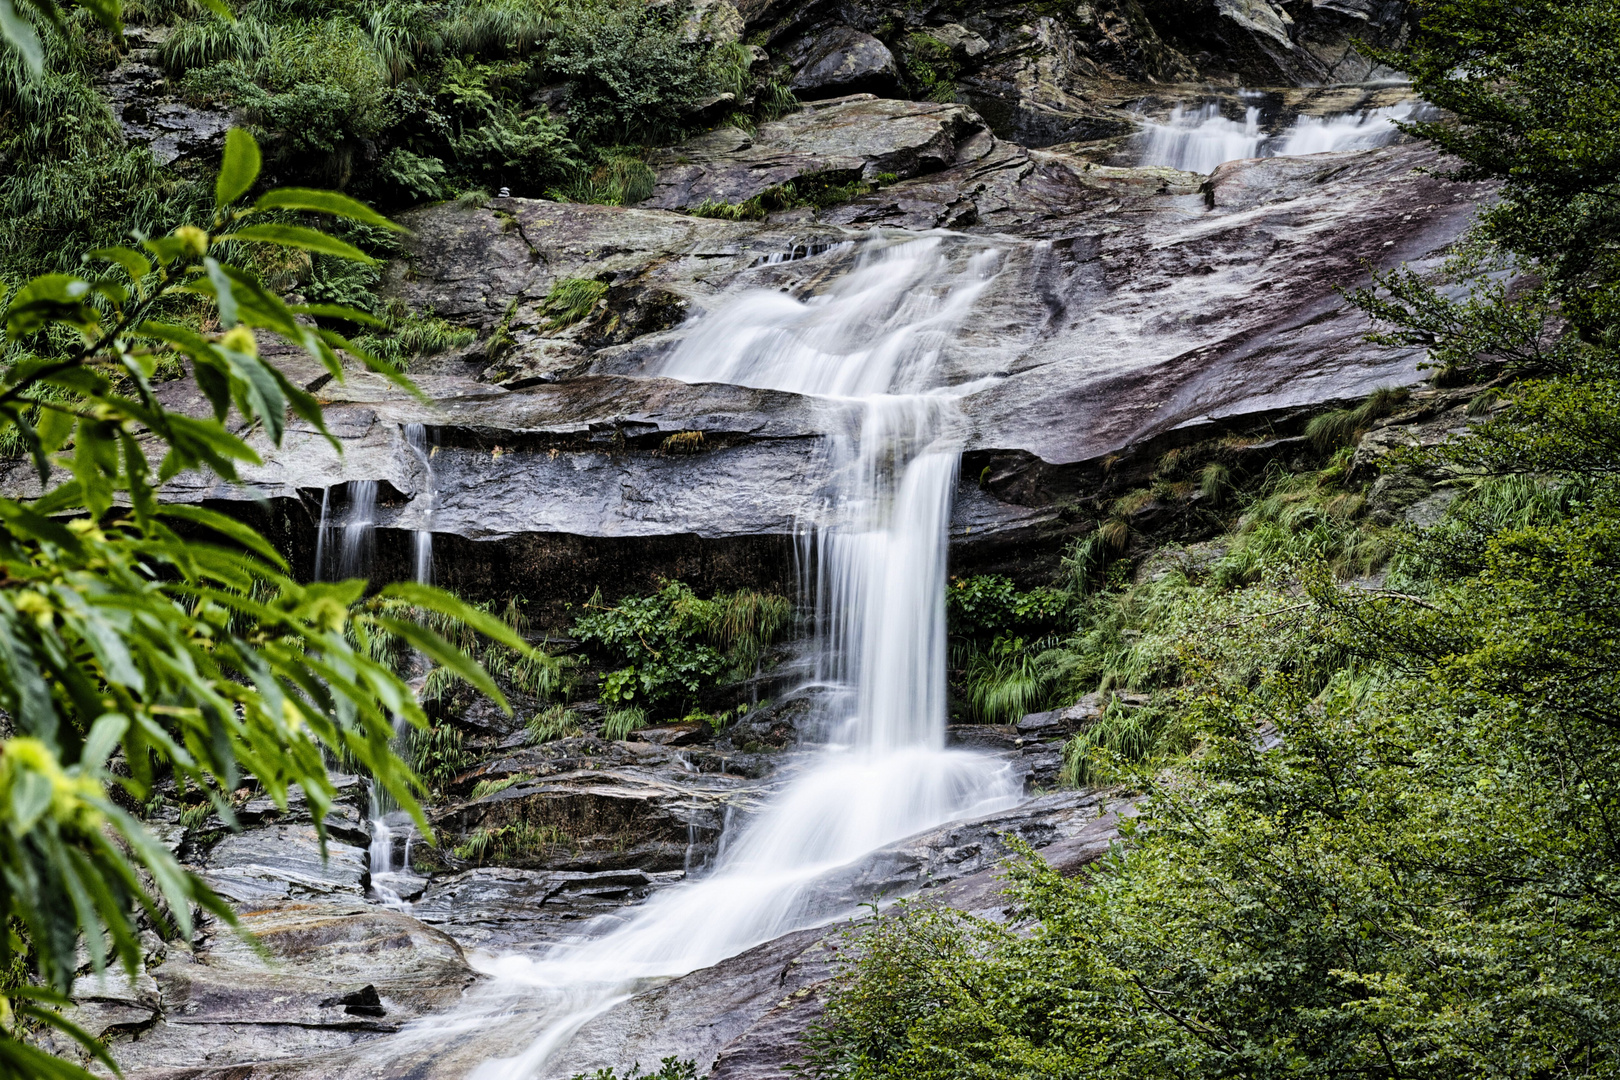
(1200, 139)
(874, 554)
(416, 437)
(386, 817)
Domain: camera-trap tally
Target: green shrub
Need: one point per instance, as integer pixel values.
(633, 78)
(410, 334)
(618, 723)
(670, 1068)
(555, 722)
(670, 647)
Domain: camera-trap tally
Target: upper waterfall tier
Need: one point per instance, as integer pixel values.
(1132, 309)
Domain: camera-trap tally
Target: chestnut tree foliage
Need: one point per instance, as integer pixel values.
(144, 642)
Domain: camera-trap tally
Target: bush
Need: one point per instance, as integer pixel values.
(632, 76)
(671, 647)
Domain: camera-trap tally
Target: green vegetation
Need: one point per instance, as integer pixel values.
(134, 655)
(502, 844)
(930, 67)
(570, 300)
(670, 648)
(396, 103)
(1377, 834)
(819, 190)
(556, 722)
(670, 1068)
(407, 335)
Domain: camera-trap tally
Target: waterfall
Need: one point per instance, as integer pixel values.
(873, 550)
(357, 544)
(320, 533)
(386, 817)
(1200, 139)
(422, 542)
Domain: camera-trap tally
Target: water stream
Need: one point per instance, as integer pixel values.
(873, 555)
(1199, 139)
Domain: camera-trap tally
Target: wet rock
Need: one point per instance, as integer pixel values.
(137, 94)
(504, 908)
(598, 819)
(842, 61)
(1064, 721)
(852, 138)
(268, 865)
(331, 976)
(676, 734)
(1002, 737)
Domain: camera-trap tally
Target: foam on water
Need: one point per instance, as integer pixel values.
(873, 557)
(1198, 140)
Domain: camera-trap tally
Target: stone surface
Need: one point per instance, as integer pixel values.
(506, 908)
(852, 138)
(841, 60)
(268, 865)
(329, 976)
(137, 93)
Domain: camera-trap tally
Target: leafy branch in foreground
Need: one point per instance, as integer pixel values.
(141, 641)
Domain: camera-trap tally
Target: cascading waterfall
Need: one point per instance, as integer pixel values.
(874, 551)
(1198, 140)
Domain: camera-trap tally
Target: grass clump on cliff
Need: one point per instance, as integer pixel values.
(667, 650)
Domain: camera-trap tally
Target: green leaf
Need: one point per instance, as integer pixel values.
(224, 296)
(338, 311)
(446, 655)
(324, 202)
(104, 737)
(238, 169)
(136, 265)
(50, 298)
(437, 600)
(296, 236)
(22, 36)
(30, 798)
(226, 526)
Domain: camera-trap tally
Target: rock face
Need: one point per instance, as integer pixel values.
(330, 976)
(1132, 310)
(859, 137)
(344, 979)
(842, 61)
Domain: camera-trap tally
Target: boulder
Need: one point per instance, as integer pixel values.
(505, 908)
(841, 60)
(315, 977)
(268, 865)
(840, 141)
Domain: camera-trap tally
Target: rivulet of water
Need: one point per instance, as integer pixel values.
(873, 553)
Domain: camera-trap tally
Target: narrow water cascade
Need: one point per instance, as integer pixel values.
(1200, 139)
(873, 550)
(357, 544)
(390, 827)
(416, 439)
